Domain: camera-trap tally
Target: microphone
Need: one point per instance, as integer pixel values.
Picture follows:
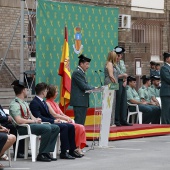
(99, 78)
(101, 71)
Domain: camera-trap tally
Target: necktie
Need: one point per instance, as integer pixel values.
(45, 105)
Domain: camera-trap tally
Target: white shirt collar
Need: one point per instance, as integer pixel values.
(81, 69)
(168, 64)
(40, 98)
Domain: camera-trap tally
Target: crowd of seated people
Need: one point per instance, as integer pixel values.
(72, 136)
(145, 98)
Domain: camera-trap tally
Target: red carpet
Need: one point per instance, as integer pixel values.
(123, 132)
(129, 132)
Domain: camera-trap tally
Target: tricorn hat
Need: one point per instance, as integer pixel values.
(83, 58)
(19, 83)
(144, 77)
(130, 78)
(155, 77)
(119, 50)
(166, 55)
(152, 63)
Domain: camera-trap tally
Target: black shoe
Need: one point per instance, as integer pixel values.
(75, 154)
(66, 156)
(87, 145)
(49, 156)
(118, 124)
(21, 155)
(43, 158)
(126, 124)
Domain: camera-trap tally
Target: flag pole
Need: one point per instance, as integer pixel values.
(64, 107)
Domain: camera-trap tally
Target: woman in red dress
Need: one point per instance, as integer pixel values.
(80, 134)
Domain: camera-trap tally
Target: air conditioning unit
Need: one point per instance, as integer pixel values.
(124, 21)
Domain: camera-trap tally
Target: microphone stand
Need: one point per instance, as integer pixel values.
(99, 78)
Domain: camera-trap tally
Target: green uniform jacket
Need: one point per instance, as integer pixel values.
(154, 91)
(132, 94)
(144, 93)
(79, 85)
(165, 80)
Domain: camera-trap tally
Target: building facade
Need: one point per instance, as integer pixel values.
(145, 40)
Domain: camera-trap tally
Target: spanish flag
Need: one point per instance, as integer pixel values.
(64, 72)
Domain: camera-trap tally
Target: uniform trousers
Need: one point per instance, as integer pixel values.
(121, 104)
(48, 133)
(151, 114)
(165, 113)
(80, 114)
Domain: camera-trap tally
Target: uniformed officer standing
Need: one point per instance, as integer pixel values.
(149, 115)
(79, 99)
(121, 94)
(20, 111)
(146, 96)
(165, 89)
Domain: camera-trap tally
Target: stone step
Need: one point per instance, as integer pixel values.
(6, 92)
(5, 101)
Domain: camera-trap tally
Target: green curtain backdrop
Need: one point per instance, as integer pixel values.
(99, 31)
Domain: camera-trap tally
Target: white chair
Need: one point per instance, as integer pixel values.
(34, 143)
(159, 101)
(57, 147)
(160, 104)
(136, 112)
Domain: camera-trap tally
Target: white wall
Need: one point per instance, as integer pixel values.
(153, 6)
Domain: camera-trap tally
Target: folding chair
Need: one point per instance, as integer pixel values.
(34, 142)
(136, 112)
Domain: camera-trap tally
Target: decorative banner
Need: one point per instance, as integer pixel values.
(92, 31)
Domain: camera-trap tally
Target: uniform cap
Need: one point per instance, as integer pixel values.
(19, 83)
(152, 63)
(83, 58)
(166, 55)
(155, 77)
(130, 78)
(144, 77)
(119, 50)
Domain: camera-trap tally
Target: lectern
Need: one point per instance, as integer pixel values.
(107, 96)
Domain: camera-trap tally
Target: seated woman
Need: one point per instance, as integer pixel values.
(80, 135)
(6, 140)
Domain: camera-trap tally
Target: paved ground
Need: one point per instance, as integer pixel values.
(136, 154)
